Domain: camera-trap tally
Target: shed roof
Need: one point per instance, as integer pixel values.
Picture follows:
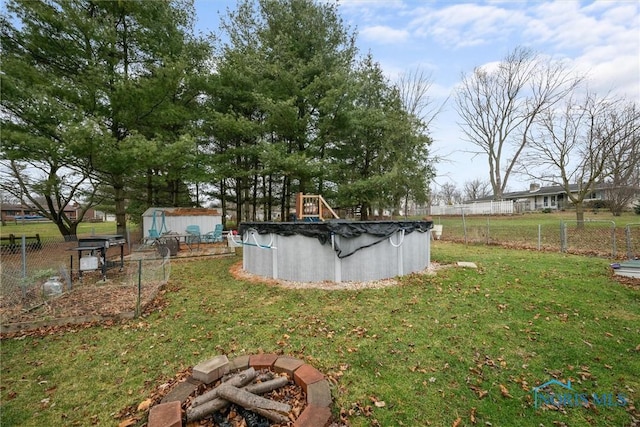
(183, 212)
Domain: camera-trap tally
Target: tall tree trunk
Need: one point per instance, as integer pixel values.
(149, 188)
(270, 197)
(245, 199)
(69, 233)
(364, 211)
(580, 215)
(284, 203)
(120, 207)
(254, 197)
(223, 202)
(239, 200)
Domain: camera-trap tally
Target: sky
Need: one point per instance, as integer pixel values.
(448, 39)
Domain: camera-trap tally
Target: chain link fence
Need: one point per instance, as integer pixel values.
(43, 280)
(591, 237)
(632, 240)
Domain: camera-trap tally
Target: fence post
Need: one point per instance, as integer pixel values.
(164, 269)
(613, 238)
(23, 252)
(139, 288)
(539, 236)
(563, 237)
(464, 226)
(488, 231)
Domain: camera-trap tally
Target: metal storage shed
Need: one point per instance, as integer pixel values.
(176, 220)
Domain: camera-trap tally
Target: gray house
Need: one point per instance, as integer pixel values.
(538, 198)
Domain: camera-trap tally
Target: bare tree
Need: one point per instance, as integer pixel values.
(476, 189)
(450, 193)
(499, 106)
(622, 170)
(414, 87)
(50, 187)
(573, 147)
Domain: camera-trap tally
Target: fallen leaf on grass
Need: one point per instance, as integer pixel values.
(472, 416)
(457, 422)
(480, 392)
(504, 391)
(144, 405)
(128, 423)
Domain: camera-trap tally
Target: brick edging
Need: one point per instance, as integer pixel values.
(317, 412)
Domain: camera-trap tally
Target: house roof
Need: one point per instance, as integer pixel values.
(15, 207)
(182, 212)
(541, 191)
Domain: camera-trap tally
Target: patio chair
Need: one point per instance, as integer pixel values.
(213, 236)
(151, 238)
(193, 235)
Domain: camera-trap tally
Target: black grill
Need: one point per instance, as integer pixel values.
(97, 246)
(105, 241)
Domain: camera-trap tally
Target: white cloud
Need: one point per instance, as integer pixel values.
(384, 35)
(464, 25)
(602, 38)
(371, 11)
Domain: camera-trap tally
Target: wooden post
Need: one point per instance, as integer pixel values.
(299, 205)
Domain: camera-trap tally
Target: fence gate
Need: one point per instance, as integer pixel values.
(597, 237)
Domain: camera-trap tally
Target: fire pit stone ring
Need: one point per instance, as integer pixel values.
(315, 385)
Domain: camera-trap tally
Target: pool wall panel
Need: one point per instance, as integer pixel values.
(305, 259)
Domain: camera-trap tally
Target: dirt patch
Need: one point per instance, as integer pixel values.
(92, 300)
(240, 274)
(630, 282)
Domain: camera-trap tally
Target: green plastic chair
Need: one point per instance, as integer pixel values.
(193, 235)
(213, 236)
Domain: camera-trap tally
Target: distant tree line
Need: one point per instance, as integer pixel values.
(121, 105)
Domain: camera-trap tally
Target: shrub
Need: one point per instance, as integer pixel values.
(597, 204)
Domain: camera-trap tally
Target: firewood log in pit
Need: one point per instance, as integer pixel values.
(237, 389)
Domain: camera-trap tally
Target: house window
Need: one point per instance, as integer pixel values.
(545, 202)
(553, 200)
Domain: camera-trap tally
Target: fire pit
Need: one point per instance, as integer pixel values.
(265, 389)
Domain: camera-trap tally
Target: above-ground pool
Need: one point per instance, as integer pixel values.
(335, 250)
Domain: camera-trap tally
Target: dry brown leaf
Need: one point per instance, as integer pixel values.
(457, 422)
(128, 423)
(144, 405)
(504, 391)
(472, 416)
(380, 404)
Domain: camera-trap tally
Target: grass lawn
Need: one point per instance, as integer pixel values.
(48, 230)
(464, 347)
(538, 218)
